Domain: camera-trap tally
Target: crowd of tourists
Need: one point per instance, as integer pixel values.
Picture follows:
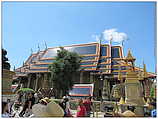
(47, 107)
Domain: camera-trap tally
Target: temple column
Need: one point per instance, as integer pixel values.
(50, 81)
(37, 79)
(42, 81)
(29, 80)
(91, 77)
(81, 77)
(45, 81)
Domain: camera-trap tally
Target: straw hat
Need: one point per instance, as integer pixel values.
(50, 110)
(54, 110)
(128, 113)
(46, 100)
(39, 110)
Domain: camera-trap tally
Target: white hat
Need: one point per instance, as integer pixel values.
(50, 110)
(128, 113)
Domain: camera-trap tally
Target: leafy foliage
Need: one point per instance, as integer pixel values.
(5, 64)
(66, 64)
(152, 92)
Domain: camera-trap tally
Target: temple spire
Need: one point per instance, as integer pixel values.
(111, 40)
(129, 56)
(31, 51)
(140, 77)
(144, 67)
(122, 43)
(145, 75)
(38, 48)
(14, 68)
(23, 63)
(45, 44)
(130, 59)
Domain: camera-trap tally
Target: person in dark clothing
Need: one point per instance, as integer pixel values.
(28, 104)
(131, 108)
(32, 100)
(63, 106)
(9, 105)
(24, 108)
(5, 111)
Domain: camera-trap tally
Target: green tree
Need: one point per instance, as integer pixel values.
(5, 64)
(66, 64)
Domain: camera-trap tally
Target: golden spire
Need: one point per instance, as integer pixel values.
(122, 101)
(119, 74)
(130, 59)
(140, 75)
(145, 74)
(129, 56)
(148, 101)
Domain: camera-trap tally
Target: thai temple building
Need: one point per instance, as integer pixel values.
(102, 65)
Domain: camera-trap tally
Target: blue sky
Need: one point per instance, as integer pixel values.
(25, 24)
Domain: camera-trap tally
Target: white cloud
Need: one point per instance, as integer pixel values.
(116, 36)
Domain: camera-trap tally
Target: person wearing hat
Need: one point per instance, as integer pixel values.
(28, 105)
(44, 101)
(41, 105)
(52, 109)
(66, 106)
(128, 113)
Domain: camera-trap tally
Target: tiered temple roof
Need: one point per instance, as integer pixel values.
(96, 58)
